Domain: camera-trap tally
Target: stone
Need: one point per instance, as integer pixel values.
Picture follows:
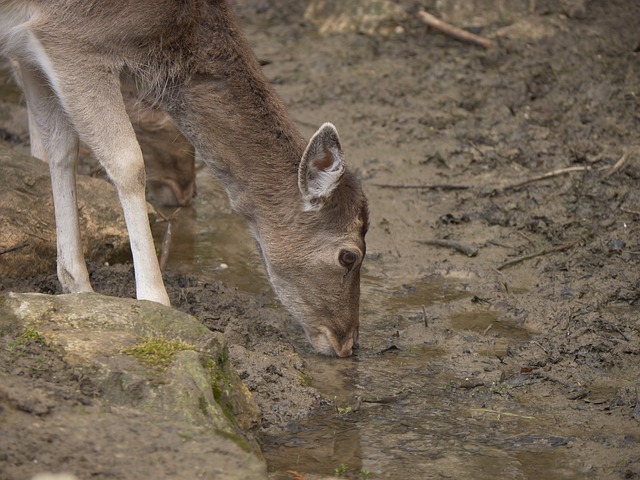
(26, 216)
(113, 341)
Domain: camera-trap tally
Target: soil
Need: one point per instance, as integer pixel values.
(451, 142)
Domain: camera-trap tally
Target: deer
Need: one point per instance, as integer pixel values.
(306, 211)
(169, 158)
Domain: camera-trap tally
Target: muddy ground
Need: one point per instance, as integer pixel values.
(451, 141)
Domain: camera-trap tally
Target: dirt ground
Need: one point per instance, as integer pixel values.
(452, 142)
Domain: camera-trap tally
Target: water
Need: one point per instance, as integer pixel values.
(399, 413)
(210, 240)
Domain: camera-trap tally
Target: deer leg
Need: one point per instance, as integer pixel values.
(93, 101)
(55, 140)
(37, 148)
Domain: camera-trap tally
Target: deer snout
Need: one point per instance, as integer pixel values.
(346, 349)
(328, 343)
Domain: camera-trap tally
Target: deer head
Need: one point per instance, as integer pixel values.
(316, 272)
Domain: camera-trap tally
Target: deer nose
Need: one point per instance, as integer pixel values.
(346, 349)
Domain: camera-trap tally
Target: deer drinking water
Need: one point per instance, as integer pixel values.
(304, 208)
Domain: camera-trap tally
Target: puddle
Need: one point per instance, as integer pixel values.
(409, 424)
(425, 292)
(212, 242)
(488, 323)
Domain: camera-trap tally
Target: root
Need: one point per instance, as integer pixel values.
(546, 251)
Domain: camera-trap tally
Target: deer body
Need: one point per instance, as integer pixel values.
(306, 211)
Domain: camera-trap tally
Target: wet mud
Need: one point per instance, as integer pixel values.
(517, 357)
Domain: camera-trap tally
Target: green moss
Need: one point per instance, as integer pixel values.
(28, 337)
(237, 439)
(223, 358)
(221, 384)
(305, 379)
(31, 335)
(157, 351)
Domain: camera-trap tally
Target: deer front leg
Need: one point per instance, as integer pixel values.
(55, 140)
(94, 103)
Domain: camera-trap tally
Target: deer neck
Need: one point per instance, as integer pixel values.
(242, 132)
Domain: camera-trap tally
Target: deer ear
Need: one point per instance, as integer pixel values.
(321, 167)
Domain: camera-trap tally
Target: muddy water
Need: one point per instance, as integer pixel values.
(399, 412)
(211, 241)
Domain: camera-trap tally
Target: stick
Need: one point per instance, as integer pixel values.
(454, 32)
(498, 244)
(544, 176)
(525, 237)
(626, 210)
(15, 247)
(468, 250)
(296, 475)
(546, 251)
(617, 329)
(435, 186)
(555, 173)
(166, 244)
(618, 165)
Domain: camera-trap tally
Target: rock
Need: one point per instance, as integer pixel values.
(150, 361)
(26, 216)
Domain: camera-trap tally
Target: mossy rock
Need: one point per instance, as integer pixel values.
(144, 355)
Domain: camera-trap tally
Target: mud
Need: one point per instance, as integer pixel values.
(520, 360)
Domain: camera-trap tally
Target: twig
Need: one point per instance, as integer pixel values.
(387, 229)
(498, 244)
(525, 237)
(627, 210)
(455, 32)
(435, 186)
(424, 317)
(15, 247)
(618, 165)
(619, 330)
(555, 173)
(501, 414)
(296, 475)
(468, 250)
(166, 244)
(545, 251)
(538, 344)
(544, 176)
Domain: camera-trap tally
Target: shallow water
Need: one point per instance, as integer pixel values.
(399, 411)
(400, 414)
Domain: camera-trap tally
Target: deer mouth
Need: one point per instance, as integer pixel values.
(328, 343)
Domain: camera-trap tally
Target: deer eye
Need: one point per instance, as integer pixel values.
(348, 258)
